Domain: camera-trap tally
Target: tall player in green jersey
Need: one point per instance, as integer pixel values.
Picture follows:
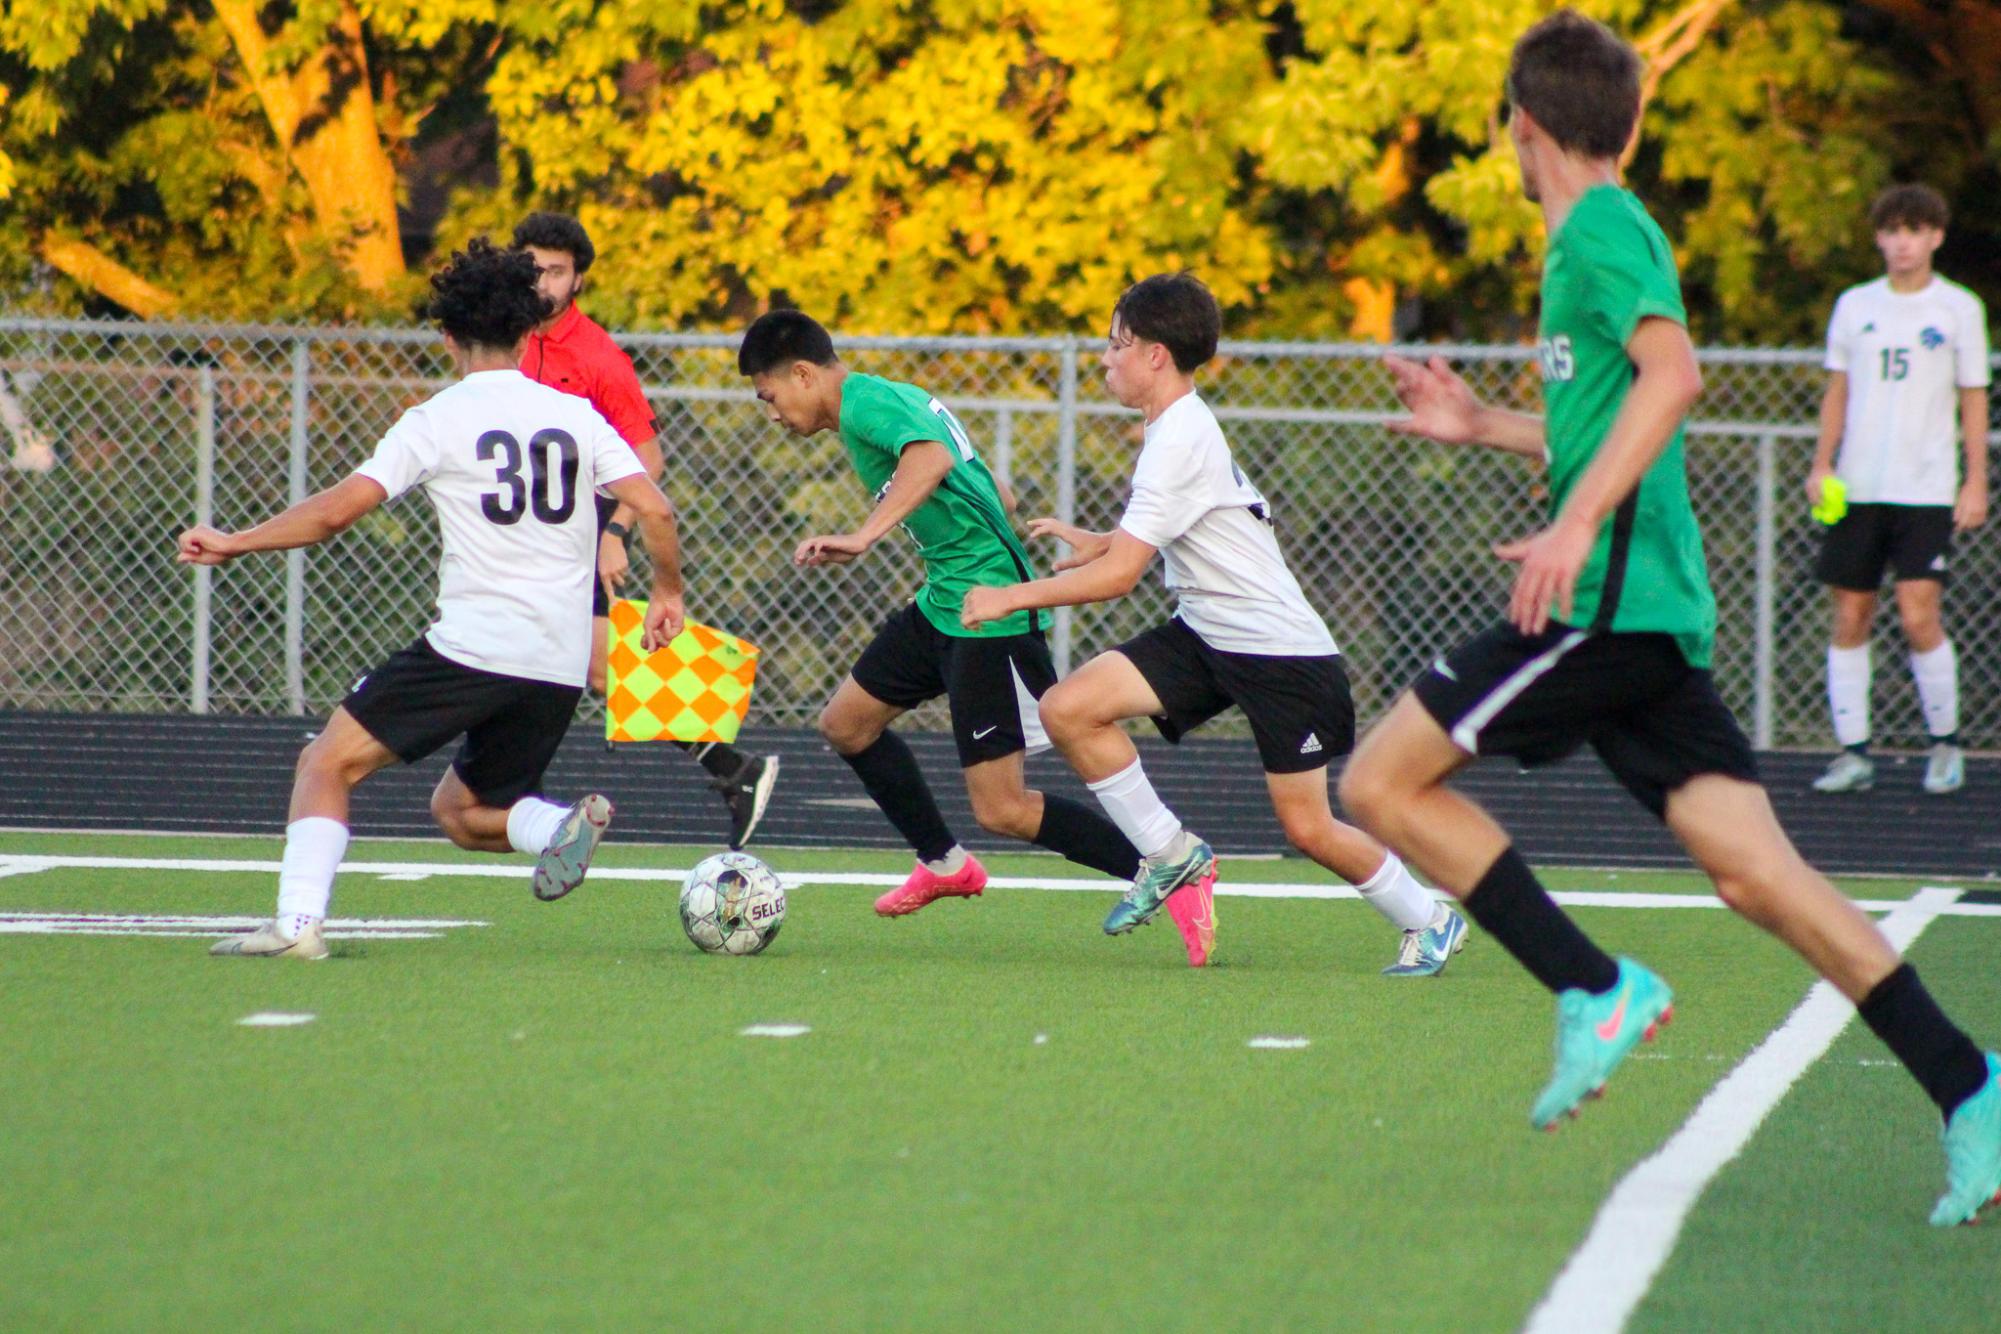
(1608, 638)
(919, 464)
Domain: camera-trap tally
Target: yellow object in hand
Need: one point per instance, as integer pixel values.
(1833, 501)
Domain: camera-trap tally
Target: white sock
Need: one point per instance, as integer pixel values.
(532, 824)
(1848, 693)
(1133, 805)
(1937, 675)
(950, 864)
(313, 849)
(1394, 892)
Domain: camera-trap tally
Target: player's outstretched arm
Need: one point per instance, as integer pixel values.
(920, 469)
(1442, 407)
(1111, 575)
(662, 536)
(1085, 545)
(313, 520)
(1666, 383)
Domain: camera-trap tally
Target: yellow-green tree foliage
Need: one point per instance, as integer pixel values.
(962, 165)
(967, 165)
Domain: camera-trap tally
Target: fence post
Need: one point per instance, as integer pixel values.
(1004, 445)
(1765, 593)
(295, 559)
(204, 514)
(1066, 484)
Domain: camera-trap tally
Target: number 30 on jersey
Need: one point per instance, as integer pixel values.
(550, 490)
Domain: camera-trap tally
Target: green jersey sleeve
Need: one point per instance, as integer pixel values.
(1629, 272)
(884, 423)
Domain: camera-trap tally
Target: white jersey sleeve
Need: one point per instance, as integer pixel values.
(1168, 496)
(1972, 345)
(1840, 334)
(405, 457)
(611, 459)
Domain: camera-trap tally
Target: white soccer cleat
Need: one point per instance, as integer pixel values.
(1849, 773)
(563, 864)
(1945, 769)
(268, 942)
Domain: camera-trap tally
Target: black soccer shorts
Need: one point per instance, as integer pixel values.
(1656, 721)
(418, 700)
(991, 683)
(1911, 541)
(1299, 708)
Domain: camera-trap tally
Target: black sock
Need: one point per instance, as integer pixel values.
(1086, 837)
(1511, 905)
(1860, 748)
(1939, 1056)
(1949, 739)
(890, 773)
(721, 759)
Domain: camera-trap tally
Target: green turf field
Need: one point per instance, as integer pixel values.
(1000, 1117)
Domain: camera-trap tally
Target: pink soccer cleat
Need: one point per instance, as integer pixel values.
(1193, 908)
(925, 886)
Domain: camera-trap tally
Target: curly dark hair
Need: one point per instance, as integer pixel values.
(486, 296)
(557, 231)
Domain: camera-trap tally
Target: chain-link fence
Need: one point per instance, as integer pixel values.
(124, 433)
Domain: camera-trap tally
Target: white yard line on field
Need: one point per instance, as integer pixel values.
(23, 863)
(1635, 1230)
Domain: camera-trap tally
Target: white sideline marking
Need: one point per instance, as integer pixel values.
(154, 924)
(275, 1019)
(1636, 1227)
(1322, 889)
(1279, 1044)
(775, 1031)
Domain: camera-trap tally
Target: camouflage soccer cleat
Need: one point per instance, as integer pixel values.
(563, 864)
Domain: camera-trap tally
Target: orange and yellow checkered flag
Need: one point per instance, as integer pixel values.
(697, 688)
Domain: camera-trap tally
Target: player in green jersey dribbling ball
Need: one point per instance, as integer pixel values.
(919, 463)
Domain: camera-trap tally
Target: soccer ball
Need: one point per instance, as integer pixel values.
(732, 903)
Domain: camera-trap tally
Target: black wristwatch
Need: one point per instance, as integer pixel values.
(618, 528)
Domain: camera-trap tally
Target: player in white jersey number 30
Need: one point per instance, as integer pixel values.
(510, 467)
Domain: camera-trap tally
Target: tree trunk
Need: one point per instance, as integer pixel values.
(323, 114)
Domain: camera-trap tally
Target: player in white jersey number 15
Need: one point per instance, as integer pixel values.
(510, 467)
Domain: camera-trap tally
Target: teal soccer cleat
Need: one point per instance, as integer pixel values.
(1188, 862)
(1425, 953)
(1972, 1153)
(1594, 1033)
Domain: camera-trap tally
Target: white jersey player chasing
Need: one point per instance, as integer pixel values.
(1243, 634)
(511, 467)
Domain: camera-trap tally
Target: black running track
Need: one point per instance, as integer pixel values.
(183, 774)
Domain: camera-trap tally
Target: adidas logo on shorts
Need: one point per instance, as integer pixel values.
(1310, 746)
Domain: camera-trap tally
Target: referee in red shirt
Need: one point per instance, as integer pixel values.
(570, 351)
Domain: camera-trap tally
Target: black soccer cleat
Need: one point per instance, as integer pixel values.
(747, 795)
